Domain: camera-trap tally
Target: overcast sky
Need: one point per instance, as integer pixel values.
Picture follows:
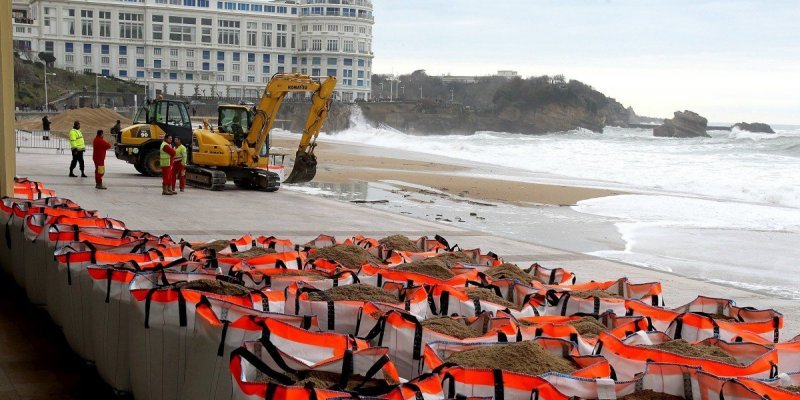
(729, 60)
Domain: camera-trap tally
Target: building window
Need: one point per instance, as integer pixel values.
(267, 39)
(316, 27)
(220, 56)
(331, 72)
(173, 64)
(333, 28)
(87, 47)
(332, 61)
(122, 61)
(348, 62)
(265, 69)
(206, 66)
(87, 60)
(316, 60)
(281, 59)
(236, 78)
(228, 32)
(173, 52)
(105, 60)
(140, 74)
(69, 58)
(190, 65)
(236, 56)
(206, 55)
(348, 46)
(251, 57)
(49, 46)
(251, 68)
(316, 72)
(182, 29)
(158, 32)
(173, 75)
(123, 50)
(189, 77)
(361, 74)
(220, 77)
(123, 73)
(131, 26)
(157, 75)
(316, 45)
(251, 79)
(104, 49)
(140, 63)
(303, 45)
(333, 45)
(140, 50)
(205, 35)
(105, 72)
(236, 67)
(265, 58)
(68, 47)
(86, 22)
(220, 66)
(157, 51)
(349, 28)
(156, 63)
(189, 53)
(294, 60)
(360, 63)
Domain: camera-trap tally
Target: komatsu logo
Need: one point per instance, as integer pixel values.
(298, 87)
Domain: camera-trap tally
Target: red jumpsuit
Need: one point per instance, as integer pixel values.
(178, 168)
(99, 148)
(166, 171)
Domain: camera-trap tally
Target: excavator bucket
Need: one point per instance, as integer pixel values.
(305, 167)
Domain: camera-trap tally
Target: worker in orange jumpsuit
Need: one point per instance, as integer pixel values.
(179, 165)
(99, 148)
(165, 160)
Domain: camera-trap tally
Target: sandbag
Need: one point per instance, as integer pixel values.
(73, 294)
(279, 245)
(278, 279)
(459, 382)
(46, 233)
(160, 329)
(628, 361)
(448, 300)
(254, 361)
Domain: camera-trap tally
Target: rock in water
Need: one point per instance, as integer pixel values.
(684, 124)
(758, 127)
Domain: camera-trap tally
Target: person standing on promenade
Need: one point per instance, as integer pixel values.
(77, 146)
(165, 161)
(179, 166)
(116, 130)
(99, 148)
(45, 124)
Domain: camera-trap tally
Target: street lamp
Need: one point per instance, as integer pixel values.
(381, 89)
(96, 90)
(46, 100)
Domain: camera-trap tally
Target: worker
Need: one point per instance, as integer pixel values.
(45, 124)
(179, 166)
(99, 148)
(116, 130)
(165, 161)
(77, 146)
(237, 131)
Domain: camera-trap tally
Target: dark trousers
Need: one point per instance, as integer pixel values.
(77, 159)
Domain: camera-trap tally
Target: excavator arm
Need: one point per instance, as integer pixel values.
(266, 111)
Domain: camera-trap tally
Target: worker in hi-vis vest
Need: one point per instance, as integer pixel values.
(165, 161)
(179, 164)
(77, 146)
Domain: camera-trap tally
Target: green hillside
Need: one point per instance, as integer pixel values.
(29, 83)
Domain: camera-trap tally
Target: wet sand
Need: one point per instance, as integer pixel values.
(340, 163)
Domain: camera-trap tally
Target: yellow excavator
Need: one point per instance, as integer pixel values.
(238, 150)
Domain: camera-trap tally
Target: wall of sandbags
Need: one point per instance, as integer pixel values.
(359, 317)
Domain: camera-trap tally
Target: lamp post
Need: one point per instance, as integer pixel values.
(381, 89)
(46, 100)
(96, 91)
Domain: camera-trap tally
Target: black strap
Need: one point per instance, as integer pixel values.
(261, 366)
(444, 303)
(596, 305)
(678, 327)
(272, 350)
(109, 274)
(499, 387)
(347, 370)
(221, 348)
(552, 279)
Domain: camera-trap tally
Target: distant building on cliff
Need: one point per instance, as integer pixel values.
(203, 47)
(472, 79)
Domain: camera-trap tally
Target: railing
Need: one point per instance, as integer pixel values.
(41, 140)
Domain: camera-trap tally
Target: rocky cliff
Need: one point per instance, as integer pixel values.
(684, 124)
(758, 127)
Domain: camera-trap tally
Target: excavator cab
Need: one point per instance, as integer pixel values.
(235, 120)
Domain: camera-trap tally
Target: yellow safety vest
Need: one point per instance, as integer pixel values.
(76, 139)
(180, 155)
(163, 156)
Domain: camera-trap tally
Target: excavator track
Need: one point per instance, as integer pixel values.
(259, 179)
(205, 178)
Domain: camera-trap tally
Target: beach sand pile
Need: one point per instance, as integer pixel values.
(433, 267)
(523, 357)
(355, 292)
(325, 380)
(456, 328)
(215, 286)
(252, 252)
(650, 395)
(588, 327)
(510, 271)
(489, 295)
(348, 255)
(684, 348)
(585, 294)
(91, 120)
(399, 243)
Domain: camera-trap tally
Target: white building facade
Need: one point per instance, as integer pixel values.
(204, 47)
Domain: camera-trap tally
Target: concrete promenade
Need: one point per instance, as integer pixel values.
(202, 215)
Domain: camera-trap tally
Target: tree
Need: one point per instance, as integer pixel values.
(47, 58)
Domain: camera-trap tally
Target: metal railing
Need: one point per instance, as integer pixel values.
(41, 140)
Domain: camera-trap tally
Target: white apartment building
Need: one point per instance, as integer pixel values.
(204, 47)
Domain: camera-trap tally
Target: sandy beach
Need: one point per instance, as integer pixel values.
(340, 163)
